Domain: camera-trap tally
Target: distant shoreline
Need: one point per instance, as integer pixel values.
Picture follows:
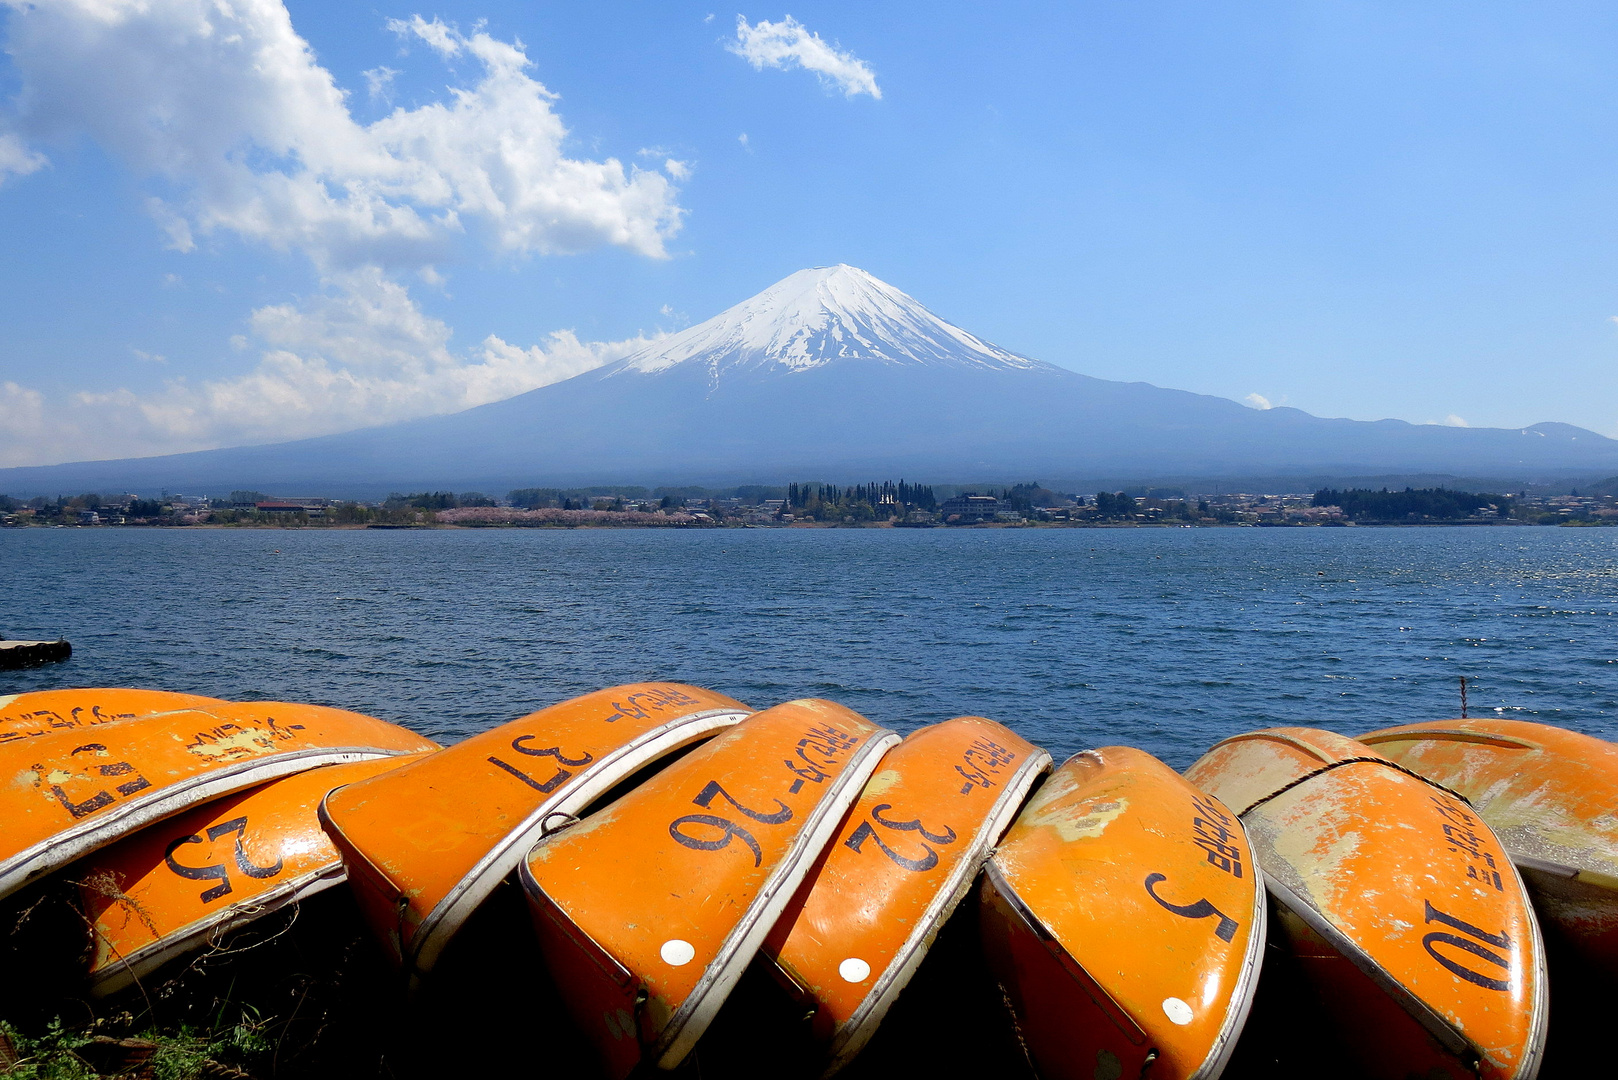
(706, 527)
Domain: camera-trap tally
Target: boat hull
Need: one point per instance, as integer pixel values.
(182, 884)
(905, 856)
(1400, 905)
(1125, 921)
(427, 843)
(73, 792)
(1549, 795)
(650, 909)
(49, 712)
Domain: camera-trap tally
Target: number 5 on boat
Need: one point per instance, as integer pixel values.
(1125, 921)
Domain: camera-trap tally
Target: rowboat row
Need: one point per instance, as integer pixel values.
(667, 840)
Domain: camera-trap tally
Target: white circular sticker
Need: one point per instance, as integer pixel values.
(1177, 1010)
(854, 970)
(677, 953)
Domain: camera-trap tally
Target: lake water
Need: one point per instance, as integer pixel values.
(1167, 639)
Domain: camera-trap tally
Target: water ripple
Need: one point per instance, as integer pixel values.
(1165, 639)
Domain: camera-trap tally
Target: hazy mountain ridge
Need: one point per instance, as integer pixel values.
(835, 375)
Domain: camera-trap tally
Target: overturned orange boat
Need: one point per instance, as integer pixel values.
(649, 910)
(1399, 902)
(182, 884)
(912, 846)
(1125, 920)
(71, 792)
(48, 712)
(1551, 796)
(427, 843)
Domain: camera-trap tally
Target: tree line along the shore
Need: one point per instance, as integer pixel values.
(879, 502)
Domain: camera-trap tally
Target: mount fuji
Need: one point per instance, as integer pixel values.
(831, 374)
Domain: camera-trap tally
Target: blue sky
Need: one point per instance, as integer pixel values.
(209, 236)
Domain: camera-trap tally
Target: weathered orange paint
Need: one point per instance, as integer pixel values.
(428, 842)
(179, 885)
(1551, 796)
(909, 850)
(649, 910)
(1104, 977)
(47, 712)
(1389, 881)
(67, 794)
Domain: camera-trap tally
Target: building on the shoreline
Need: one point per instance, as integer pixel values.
(312, 507)
(969, 508)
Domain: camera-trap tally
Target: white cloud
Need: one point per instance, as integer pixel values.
(443, 40)
(379, 82)
(360, 354)
(1455, 421)
(16, 159)
(150, 358)
(226, 106)
(788, 43)
(1258, 401)
(224, 109)
(25, 425)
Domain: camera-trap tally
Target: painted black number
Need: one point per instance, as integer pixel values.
(913, 825)
(1225, 931)
(217, 871)
(704, 799)
(544, 787)
(865, 832)
(95, 802)
(727, 829)
(550, 751)
(1474, 942)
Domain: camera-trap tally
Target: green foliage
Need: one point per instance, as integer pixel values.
(182, 1054)
(1024, 497)
(145, 508)
(437, 500)
(423, 500)
(1114, 505)
(48, 1056)
(534, 498)
(574, 498)
(753, 494)
(862, 502)
(1442, 504)
(248, 497)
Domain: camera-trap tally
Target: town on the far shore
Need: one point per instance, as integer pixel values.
(807, 505)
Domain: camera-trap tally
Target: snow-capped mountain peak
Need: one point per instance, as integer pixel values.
(817, 317)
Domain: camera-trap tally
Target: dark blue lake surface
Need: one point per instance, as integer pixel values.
(1168, 639)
